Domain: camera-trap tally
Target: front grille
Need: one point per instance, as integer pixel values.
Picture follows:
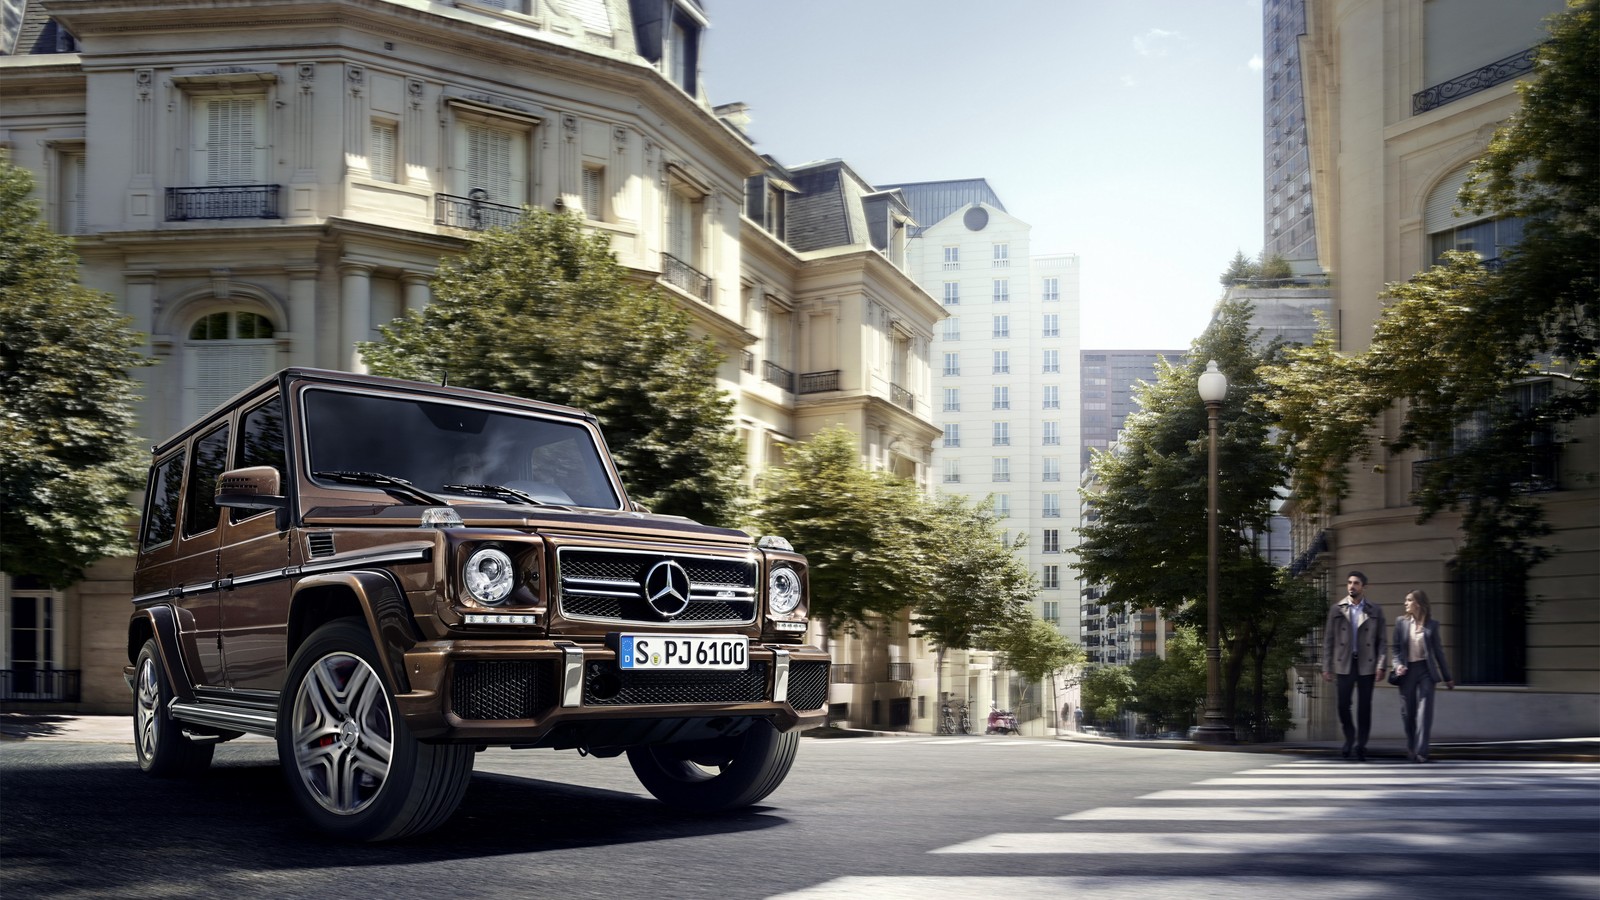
(808, 685)
(608, 586)
(502, 689)
(606, 685)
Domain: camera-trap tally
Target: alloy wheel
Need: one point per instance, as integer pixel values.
(343, 733)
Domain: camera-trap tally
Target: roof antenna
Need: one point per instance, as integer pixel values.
(445, 381)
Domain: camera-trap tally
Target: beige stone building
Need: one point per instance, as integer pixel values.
(263, 184)
(1401, 96)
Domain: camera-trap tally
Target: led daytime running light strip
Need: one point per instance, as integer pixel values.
(501, 618)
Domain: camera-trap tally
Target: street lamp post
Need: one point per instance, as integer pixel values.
(1213, 729)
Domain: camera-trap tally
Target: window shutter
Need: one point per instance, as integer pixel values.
(74, 173)
(226, 369)
(381, 160)
(1440, 212)
(593, 181)
(232, 140)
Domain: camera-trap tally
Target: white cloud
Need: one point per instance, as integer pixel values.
(1154, 42)
(1255, 63)
(1129, 81)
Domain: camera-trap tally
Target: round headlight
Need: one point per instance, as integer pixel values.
(783, 590)
(489, 576)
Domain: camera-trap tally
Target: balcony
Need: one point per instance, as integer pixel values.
(843, 673)
(899, 671)
(1481, 79)
(902, 397)
(778, 375)
(1540, 470)
(747, 362)
(39, 685)
(473, 212)
(686, 278)
(818, 382)
(235, 201)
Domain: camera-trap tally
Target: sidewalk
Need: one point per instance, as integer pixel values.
(1586, 750)
(15, 726)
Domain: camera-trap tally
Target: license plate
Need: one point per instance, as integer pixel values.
(663, 652)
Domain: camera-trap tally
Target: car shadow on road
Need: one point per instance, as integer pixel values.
(237, 818)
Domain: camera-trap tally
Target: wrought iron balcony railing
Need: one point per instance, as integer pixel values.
(843, 673)
(39, 685)
(473, 212)
(901, 396)
(817, 382)
(747, 362)
(1481, 79)
(232, 201)
(1541, 471)
(899, 671)
(685, 277)
(779, 376)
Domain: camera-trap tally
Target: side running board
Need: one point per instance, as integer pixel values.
(249, 721)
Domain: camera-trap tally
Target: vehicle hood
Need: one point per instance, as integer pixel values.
(541, 519)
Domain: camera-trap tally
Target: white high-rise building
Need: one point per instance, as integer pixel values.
(1005, 374)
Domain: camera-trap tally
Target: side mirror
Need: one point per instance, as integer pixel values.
(258, 487)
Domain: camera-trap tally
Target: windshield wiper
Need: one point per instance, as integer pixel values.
(398, 487)
(497, 491)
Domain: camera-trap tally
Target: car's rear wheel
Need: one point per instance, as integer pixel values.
(161, 746)
(350, 761)
(710, 776)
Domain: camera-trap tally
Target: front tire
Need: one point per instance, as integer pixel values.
(351, 763)
(717, 775)
(161, 746)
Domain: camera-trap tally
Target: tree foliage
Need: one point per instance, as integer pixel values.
(1170, 689)
(1107, 691)
(543, 310)
(1148, 543)
(1034, 648)
(69, 454)
(1241, 269)
(1453, 343)
(861, 531)
(979, 586)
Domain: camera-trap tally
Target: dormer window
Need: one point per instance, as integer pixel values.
(677, 28)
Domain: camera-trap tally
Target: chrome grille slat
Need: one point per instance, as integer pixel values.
(608, 585)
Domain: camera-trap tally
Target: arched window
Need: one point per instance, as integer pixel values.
(224, 353)
(1450, 228)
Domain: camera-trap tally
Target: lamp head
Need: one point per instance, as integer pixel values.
(1213, 384)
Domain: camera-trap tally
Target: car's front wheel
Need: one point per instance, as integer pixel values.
(161, 746)
(710, 776)
(350, 761)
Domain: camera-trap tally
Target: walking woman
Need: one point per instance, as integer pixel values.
(1419, 663)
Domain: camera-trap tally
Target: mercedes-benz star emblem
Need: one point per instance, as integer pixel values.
(666, 587)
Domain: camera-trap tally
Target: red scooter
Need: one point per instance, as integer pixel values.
(1002, 721)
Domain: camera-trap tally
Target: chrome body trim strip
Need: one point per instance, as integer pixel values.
(234, 719)
(571, 675)
(780, 675)
(330, 565)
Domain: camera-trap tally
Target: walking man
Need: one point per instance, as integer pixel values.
(1353, 649)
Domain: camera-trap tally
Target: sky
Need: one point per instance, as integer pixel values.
(1128, 132)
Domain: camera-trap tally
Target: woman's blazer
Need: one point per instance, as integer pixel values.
(1400, 647)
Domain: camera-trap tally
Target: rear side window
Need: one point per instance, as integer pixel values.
(200, 506)
(161, 509)
(261, 444)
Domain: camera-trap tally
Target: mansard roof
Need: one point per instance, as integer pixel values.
(932, 201)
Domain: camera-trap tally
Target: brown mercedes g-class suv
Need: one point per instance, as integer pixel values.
(386, 576)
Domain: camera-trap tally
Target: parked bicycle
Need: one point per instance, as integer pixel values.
(950, 724)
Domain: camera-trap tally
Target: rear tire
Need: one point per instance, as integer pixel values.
(351, 763)
(161, 746)
(718, 775)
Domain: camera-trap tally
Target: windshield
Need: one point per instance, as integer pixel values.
(433, 444)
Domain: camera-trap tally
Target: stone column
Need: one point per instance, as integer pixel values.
(355, 313)
(303, 315)
(418, 291)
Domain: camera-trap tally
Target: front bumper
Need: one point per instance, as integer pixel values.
(555, 693)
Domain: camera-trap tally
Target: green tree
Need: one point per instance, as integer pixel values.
(69, 455)
(1107, 691)
(1275, 268)
(1240, 270)
(980, 587)
(1149, 543)
(1035, 650)
(544, 310)
(862, 532)
(1170, 689)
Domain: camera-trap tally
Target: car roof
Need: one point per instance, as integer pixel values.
(300, 375)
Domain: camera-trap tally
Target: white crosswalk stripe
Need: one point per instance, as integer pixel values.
(1260, 819)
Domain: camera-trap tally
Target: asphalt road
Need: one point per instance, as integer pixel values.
(869, 817)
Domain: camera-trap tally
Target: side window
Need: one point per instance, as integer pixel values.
(261, 444)
(161, 508)
(200, 507)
